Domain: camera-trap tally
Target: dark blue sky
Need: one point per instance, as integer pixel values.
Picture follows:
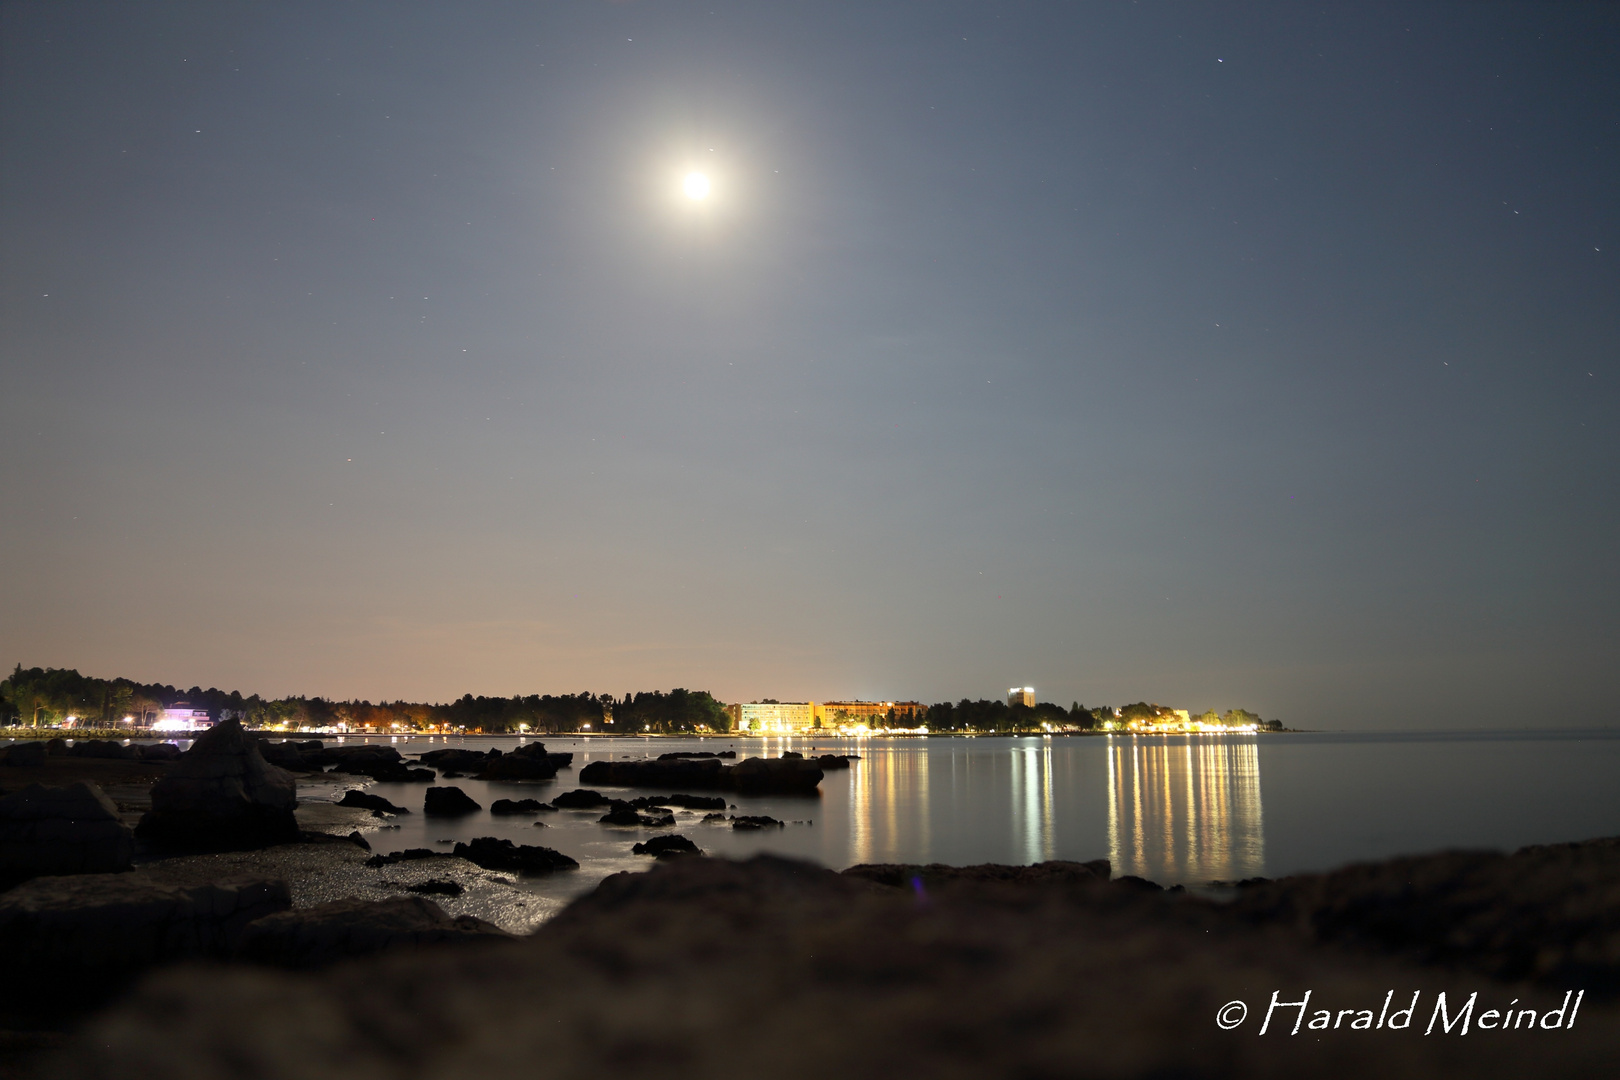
(1259, 357)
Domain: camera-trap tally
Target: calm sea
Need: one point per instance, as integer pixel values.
(1173, 809)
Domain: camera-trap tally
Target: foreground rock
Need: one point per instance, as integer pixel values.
(1062, 976)
(326, 933)
(527, 762)
(448, 802)
(507, 807)
(61, 830)
(88, 934)
(751, 776)
(493, 854)
(221, 795)
(1549, 914)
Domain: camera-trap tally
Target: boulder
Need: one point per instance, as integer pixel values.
(61, 830)
(437, 887)
(91, 933)
(757, 822)
(355, 797)
(675, 755)
(686, 802)
(753, 776)
(221, 795)
(493, 854)
(326, 933)
(527, 762)
(518, 806)
(448, 802)
(625, 814)
(457, 759)
(828, 762)
(580, 799)
(29, 754)
(668, 846)
(56, 747)
(163, 751)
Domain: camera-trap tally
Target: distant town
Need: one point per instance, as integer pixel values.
(63, 699)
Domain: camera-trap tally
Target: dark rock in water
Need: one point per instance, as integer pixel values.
(792, 754)
(1131, 881)
(716, 817)
(57, 747)
(457, 759)
(518, 806)
(829, 762)
(102, 748)
(289, 755)
(70, 940)
(677, 754)
(448, 802)
(756, 822)
(625, 814)
(437, 887)
(365, 801)
(61, 830)
(408, 855)
(25, 755)
(221, 795)
(527, 762)
(753, 776)
(686, 802)
(561, 759)
(493, 854)
(670, 845)
(580, 799)
(359, 841)
(162, 751)
(451, 774)
(326, 933)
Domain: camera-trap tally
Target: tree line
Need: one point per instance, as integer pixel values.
(50, 696)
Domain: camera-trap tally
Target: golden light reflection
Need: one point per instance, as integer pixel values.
(1185, 811)
(888, 807)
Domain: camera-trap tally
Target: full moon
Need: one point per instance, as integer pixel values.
(695, 186)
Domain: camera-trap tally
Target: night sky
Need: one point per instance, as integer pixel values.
(1258, 357)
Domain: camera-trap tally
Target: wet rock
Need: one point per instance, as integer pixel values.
(493, 854)
(84, 936)
(756, 822)
(715, 818)
(518, 806)
(222, 795)
(625, 814)
(678, 754)
(61, 830)
(670, 845)
(829, 762)
(437, 887)
(686, 802)
(358, 840)
(580, 799)
(292, 756)
(29, 754)
(408, 855)
(318, 936)
(365, 801)
(448, 802)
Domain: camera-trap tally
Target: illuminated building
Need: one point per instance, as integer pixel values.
(1021, 695)
(870, 713)
(773, 717)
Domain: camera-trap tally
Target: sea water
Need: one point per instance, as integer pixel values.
(1175, 809)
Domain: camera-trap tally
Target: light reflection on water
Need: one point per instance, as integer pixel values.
(1185, 813)
(1173, 809)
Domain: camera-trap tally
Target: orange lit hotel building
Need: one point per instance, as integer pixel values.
(792, 717)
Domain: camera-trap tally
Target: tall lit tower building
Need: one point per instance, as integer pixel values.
(1021, 695)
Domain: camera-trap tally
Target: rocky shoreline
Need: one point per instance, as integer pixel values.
(311, 958)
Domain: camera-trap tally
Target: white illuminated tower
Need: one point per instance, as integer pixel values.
(1021, 695)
